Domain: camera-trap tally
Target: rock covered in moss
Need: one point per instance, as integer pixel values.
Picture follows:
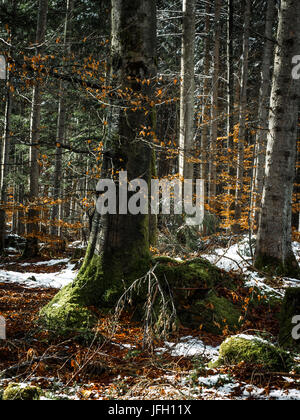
(21, 392)
(253, 350)
(290, 308)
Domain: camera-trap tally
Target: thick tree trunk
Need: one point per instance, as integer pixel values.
(274, 248)
(31, 248)
(263, 112)
(118, 251)
(186, 134)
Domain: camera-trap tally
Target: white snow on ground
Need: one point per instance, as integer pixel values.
(187, 347)
(237, 258)
(32, 280)
(47, 263)
(216, 386)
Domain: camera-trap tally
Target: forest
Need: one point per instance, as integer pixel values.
(149, 202)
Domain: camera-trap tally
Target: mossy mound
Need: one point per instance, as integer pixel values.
(194, 273)
(254, 351)
(214, 314)
(197, 288)
(21, 392)
(290, 308)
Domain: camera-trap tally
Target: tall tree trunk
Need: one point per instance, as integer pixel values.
(31, 248)
(274, 247)
(215, 104)
(61, 128)
(204, 171)
(242, 118)
(5, 147)
(263, 112)
(187, 112)
(118, 250)
(230, 83)
(6, 144)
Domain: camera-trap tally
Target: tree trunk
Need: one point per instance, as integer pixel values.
(61, 128)
(274, 247)
(215, 105)
(5, 152)
(242, 119)
(186, 135)
(31, 249)
(118, 250)
(6, 144)
(263, 112)
(204, 171)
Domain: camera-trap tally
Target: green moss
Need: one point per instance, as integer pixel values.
(194, 273)
(68, 311)
(290, 308)
(66, 314)
(257, 352)
(195, 286)
(24, 393)
(275, 267)
(217, 313)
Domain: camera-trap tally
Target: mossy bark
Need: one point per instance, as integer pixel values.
(118, 251)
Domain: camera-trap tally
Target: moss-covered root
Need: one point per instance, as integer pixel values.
(254, 351)
(66, 313)
(290, 309)
(21, 392)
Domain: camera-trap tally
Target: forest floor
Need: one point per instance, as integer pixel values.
(119, 367)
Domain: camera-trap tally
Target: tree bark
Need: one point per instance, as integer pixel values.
(31, 248)
(187, 112)
(6, 144)
(215, 104)
(5, 151)
(118, 250)
(242, 118)
(274, 241)
(61, 129)
(204, 171)
(263, 112)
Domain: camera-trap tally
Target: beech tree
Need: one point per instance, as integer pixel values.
(118, 250)
(274, 241)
